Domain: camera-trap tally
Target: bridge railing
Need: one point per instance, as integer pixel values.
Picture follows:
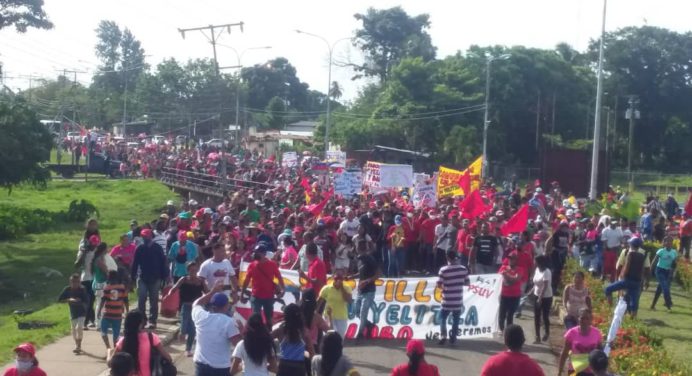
(205, 183)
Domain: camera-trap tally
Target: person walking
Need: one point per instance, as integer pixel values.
(368, 273)
(579, 342)
(181, 253)
(138, 343)
(191, 288)
(111, 308)
(149, 270)
(636, 270)
(611, 237)
(262, 273)
(255, 352)
(485, 250)
(337, 297)
(543, 291)
(451, 279)
(25, 362)
(294, 341)
(317, 271)
(513, 361)
(216, 331)
(219, 269)
(664, 260)
(574, 298)
(331, 361)
(85, 261)
(416, 366)
(557, 248)
(510, 293)
(75, 295)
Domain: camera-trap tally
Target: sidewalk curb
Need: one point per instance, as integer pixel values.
(167, 334)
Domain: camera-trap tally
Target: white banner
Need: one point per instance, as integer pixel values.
(348, 183)
(410, 307)
(382, 175)
(424, 194)
(336, 156)
(289, 159)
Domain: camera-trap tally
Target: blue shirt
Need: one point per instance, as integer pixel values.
(666, 257)
(180, 268)
(149, 263)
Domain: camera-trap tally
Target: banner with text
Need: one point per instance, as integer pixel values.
(410, 307)
(382, 175)
(348, 183)
(424, 194)
(289, 159)
(448, 182)
(336, 156)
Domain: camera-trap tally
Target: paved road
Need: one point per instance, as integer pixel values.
(467, 358)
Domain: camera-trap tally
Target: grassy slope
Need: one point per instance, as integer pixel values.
(674, 327)
(22, 287)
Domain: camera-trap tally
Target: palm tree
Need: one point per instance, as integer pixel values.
(335, 91)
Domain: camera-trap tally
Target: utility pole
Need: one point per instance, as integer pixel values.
(538, 119)
(631, 114)
(593, 186)
(213, 37)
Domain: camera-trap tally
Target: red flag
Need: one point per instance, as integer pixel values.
(305, 184)
(465, 181)
(317, 209)
(688, 206)
(517, 223)
(473, 205)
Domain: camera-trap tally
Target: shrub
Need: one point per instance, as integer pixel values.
(17, 221)
(80, 211)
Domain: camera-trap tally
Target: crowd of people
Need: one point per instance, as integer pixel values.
(293, 222)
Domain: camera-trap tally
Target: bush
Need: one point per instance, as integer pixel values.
(16, 221)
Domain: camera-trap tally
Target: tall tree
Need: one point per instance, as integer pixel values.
(23, 14)
(389, 35)
(25, 144)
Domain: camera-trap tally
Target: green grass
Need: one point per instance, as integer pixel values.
(21, 284)
(66, 158)
(674, 327)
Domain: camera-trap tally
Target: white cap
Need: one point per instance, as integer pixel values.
(569, 212)
(170, 203)
(208, 211)
(192, 203)
(258, 202)
(226, 220)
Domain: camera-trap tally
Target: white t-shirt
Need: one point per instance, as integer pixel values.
(612, 237)
(216, 271)
(249, 367)
(214, 333)
(540, 276)
(303, 258)
(443, 235)
(350, 228)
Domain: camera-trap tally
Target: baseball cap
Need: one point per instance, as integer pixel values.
(635, 241)
(208, 211)
(415, 346)
(26, 347)
(192, 203)
(163, 216)
(219, 300)
(94, 240)
(170, 203)
(133, 222)
(146, 233)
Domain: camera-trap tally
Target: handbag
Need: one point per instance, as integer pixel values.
(159, 365)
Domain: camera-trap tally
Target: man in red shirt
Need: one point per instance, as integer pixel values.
(411, 230)
(262, 272)
(317, 271)
(512, 361)
(685, 236)
(427, 237)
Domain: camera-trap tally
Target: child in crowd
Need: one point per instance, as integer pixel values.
(75, 295)
(115, 302)
(191, 288)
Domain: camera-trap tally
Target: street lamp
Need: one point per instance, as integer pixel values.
(593, 187)
(486, 121)
(239, 57)
(330, 47)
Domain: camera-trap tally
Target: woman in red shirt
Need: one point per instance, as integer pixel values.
(416, 366)
(512, 276)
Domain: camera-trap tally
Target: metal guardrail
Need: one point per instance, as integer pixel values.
(204, 183)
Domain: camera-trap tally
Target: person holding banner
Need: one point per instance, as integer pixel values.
(452, 279)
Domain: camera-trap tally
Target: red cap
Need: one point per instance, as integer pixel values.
(26, 347)
(415, 346)
(146, 233)
(94, 240)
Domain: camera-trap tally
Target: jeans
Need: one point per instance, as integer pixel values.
(90, 313)
(187, 326)
(522, 298)
(542, 312)
(384, 256)
(558, 259)
(149, 289)
(397, 262)
(202, 369)
(663, 276)
(426, 257)
(266, 305)
(508, 305)
(364, 302)
(634, 289)
(411, 257)
(587, 261)
(444, 314)
(570, 322)
(440, 259)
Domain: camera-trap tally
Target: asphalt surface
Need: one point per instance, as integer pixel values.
(378, 357)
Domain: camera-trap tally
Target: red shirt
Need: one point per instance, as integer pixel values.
(35, 371)
(525, 260)
(410, 230)
(262, 275)
(318, 271)
(511, 363)
(427, 229)
(513, 290)
(462, 246)
(424, 369)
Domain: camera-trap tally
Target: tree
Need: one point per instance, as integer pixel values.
(25, 144)
(23, 14)
(389, 35)
(335, 90)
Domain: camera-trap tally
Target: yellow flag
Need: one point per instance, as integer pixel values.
(448, 179)
(307, 198)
